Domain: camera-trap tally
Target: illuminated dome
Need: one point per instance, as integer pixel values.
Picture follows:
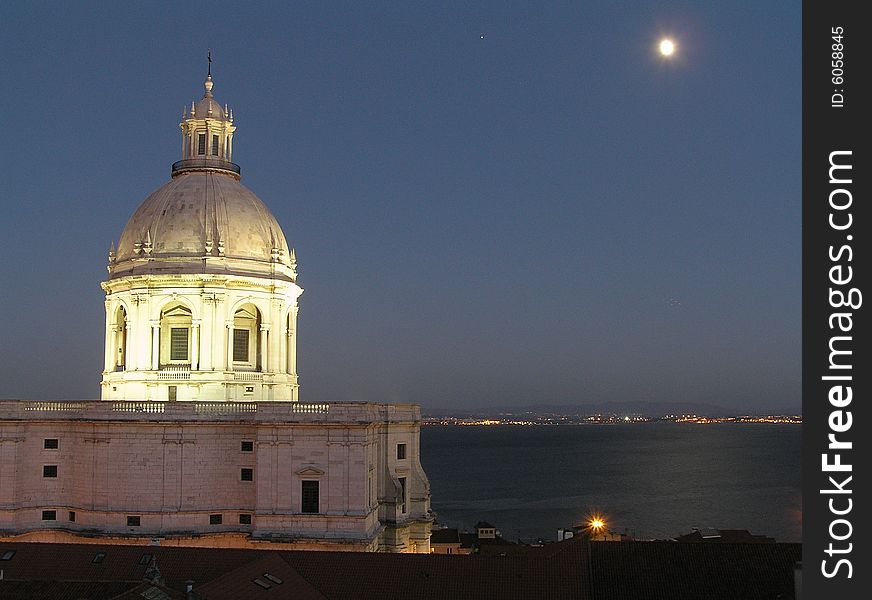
(204, 220)
(201, 298)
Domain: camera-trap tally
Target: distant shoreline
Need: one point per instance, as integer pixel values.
(554, 420)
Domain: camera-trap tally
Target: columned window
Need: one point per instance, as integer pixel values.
(201, 144)
(175, 336)
(246, 339)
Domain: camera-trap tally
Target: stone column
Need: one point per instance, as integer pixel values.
(229, 353)
(195, 345)
(283, 348)
(128, 346)
(108, 363)
(264, 348)
(155, 345)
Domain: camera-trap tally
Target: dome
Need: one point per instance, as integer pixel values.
(203, 221)
(208, 108)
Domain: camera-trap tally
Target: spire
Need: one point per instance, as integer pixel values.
(208, 83)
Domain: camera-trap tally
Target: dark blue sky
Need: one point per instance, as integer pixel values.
(492, 203)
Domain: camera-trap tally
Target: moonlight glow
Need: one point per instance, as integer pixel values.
(667, 47)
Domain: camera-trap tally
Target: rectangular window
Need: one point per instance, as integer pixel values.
(402, 494)
(145, 559)
(134, 521)
(240, 345)
(247, 475)
(310, 497)
(50, 444)
(49, 515)
(50, 471)
(71, 517)
(201, 144)
(244, 519)
(172, 393)
(215, 519)
(214, 145)
(247, 446)
(401, 451)
(98, 558)
(7, 555)
(179, 343)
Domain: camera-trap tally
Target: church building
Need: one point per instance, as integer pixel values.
(200, 438)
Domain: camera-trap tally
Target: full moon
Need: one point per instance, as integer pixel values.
(667, 47)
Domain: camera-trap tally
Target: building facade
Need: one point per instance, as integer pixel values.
(200, 438)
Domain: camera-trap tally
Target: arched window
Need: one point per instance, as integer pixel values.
(120, 346)
(246, 339)
(175, 336)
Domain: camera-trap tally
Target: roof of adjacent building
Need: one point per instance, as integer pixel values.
(575, 569)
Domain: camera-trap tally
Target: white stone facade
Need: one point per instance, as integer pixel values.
(158, 472)
(199, 438)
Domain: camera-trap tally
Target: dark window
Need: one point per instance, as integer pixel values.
(201, 143)
(179, 343)
(214, 145)
(401, 451)
(247, 475)
(134, 521)
(50, 444)
(215, 519)
(272, 578)
(50, 471)
(240, 345)
(172, 393)
(72, 516)
(310, 497)
(248, 446)
(402, 494)
(49, 515)
(7, 555)
(244, 519)
(145, 559)
(98, 558)
(262, 583)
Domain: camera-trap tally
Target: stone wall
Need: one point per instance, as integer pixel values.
(196, 473)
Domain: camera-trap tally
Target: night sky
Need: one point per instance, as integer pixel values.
(491, 203)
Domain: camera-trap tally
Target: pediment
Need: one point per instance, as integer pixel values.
(243, 313)
(177, 311)
(310, 471)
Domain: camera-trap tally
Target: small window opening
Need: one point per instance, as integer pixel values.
(145, 559)
(49, 515)
(71, 517)
(245, 519)
(172, 393)
(50, 471)
(214, 145)
(247, 475)
(247, 446)
(272, 578)
(401, 451)
(134, 521)
(215, 519)
(7, 555)
(98, 558)
(310, 497)
(262, 583)
(201, 144)
(50, 444)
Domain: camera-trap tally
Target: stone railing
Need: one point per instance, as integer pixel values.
(174, 373)
(247, 376)
(261, 411)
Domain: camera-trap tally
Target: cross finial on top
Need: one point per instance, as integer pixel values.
(209, 58)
